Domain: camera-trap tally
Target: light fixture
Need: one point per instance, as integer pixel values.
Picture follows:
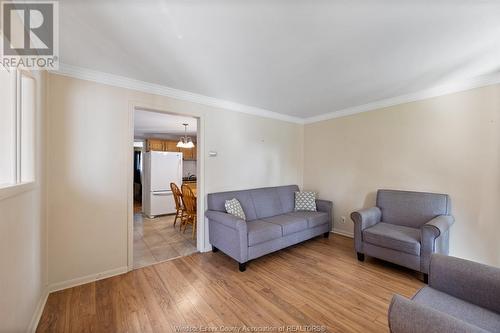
(185, 141)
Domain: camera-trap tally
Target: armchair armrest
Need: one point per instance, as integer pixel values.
(434, 239)
(406, 316)
(467, 280)
(327, 207)
(438, 225)
(228, 220)
(363, 219)
(367, 217)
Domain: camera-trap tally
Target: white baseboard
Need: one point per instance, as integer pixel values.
(38, 311)
(343, 233)
(86, 279)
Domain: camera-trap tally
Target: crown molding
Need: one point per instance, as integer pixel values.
(128, 83)
(152, 88)
(446, 89)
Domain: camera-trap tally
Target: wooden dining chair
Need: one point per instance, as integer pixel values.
(180, 210)
(189, 201)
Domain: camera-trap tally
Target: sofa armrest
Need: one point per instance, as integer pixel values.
(363, 219)
(327, 207)
(228, 220)
(467, 280)
(406, 316)
(434, 239)
(229, 234)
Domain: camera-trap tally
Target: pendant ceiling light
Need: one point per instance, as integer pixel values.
(185, 141)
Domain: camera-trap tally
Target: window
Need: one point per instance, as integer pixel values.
(138, 144)
(17, 127)
(7, 127)
(26, 118)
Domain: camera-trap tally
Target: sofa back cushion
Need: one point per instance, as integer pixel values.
(266, 202)
(287, 197)
(411, 209)
(257, 203)
(216, 201)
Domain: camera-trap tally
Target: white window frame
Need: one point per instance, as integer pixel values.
(16, 186)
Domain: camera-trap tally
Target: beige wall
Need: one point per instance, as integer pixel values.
(23, 243)
(448, 144)
(88, 140)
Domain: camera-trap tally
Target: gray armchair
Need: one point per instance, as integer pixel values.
(404, 228)
(462, 296)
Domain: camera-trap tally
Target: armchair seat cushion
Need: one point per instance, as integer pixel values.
(455, 307)
(289, 224)
(395, 237)
(260, 232)
(314, 219)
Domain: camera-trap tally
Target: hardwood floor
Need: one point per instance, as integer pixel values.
(318, 282)
(137, 207)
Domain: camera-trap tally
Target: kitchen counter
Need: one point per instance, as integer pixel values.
(190, 183)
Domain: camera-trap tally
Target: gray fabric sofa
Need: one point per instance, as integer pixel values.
(404, 228)
(271, 222)
(462, 296)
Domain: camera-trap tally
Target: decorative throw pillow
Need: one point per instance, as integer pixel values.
(305, 201)
(233, 207)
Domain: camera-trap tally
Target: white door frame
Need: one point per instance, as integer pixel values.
(201, 240)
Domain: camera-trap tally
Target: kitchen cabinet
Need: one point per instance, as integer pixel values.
(194, 153)
(188, 154)
(154, 144)
(171, 146)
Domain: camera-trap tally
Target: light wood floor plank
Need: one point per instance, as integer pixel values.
(318, 282)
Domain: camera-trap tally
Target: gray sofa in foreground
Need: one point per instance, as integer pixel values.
(404, 228)
(462, 296)
(271, 225)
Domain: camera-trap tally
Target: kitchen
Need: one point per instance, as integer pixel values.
(165, 169)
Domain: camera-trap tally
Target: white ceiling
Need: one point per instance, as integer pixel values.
(300, 58)
(147, 123)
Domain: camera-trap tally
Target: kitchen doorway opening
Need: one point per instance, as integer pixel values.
(165, 184)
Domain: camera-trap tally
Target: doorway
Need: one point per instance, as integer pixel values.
(165, 176)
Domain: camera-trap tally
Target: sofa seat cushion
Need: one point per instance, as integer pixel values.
(470, 313)
(314, 219)
(289, 224)
(260, 231)
(395, 237)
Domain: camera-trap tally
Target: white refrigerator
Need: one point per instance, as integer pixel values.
(159, 170)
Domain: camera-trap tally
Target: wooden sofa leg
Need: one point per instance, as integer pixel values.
(214, 249)
(426, 278)
(326, 234)
(361, 256)
(242, 266)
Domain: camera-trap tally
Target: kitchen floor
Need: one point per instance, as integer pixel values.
(156, 240)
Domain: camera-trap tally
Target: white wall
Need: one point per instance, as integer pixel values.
(23, 275)
(448, 144)
(88, 138)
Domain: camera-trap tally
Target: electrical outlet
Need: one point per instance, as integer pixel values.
(342, 219)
